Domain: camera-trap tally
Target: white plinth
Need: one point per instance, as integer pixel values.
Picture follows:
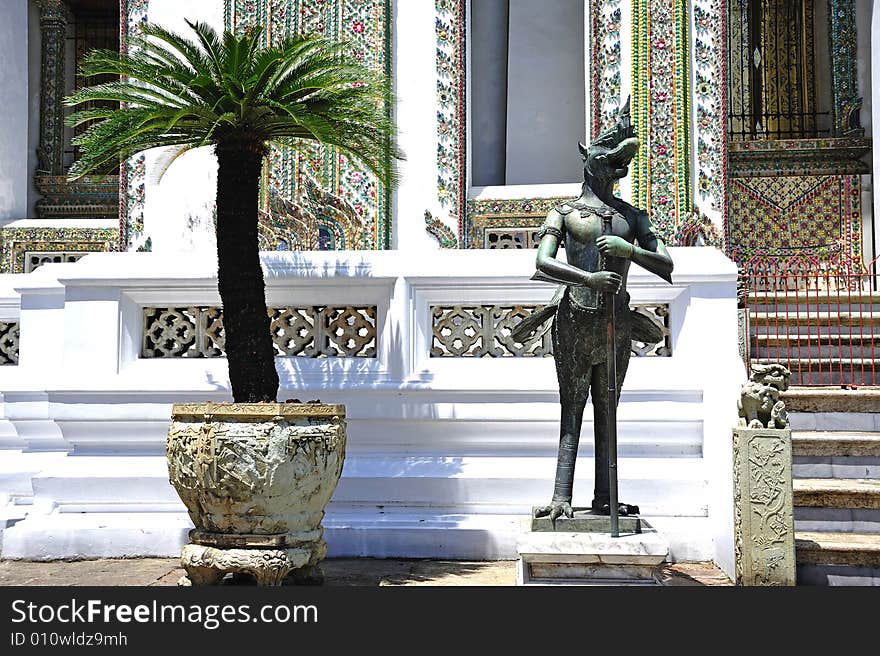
(556, 558)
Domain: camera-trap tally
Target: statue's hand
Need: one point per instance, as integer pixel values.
(605, 281)
(555, 510)
(614, 246)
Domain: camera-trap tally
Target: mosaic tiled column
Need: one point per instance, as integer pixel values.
(661, 107)
(450, 29)
(605, 22)
(133, 173)
(710, 130)
(53, 32)
(844, 84)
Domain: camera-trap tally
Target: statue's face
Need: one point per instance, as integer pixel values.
(774, 375)
(607, 160)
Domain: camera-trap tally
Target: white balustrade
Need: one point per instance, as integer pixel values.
(464, 445)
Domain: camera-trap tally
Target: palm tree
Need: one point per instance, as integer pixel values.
(230, 93)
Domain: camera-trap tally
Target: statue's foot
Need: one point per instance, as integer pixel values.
(623, 509)
(555, 510)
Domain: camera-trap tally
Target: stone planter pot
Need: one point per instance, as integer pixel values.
(255, 479)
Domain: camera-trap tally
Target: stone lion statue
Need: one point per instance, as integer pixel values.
(759, 404)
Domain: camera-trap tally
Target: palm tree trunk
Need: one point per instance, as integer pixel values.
(249, 348)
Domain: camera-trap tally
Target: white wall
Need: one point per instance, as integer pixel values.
(415, 84)
(178, 208)
(14, 177)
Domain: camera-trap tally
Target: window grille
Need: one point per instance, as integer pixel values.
(94, 26)
(772, 77)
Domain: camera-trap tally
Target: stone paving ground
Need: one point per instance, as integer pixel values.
(337, 572)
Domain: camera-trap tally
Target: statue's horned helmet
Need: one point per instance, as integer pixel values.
(609, 154)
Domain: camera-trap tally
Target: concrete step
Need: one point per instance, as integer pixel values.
(834, 364)
(662, 486)
(848, 377)
(849, 339)
(837, 559)
(808, 360)
(859, 422)
(350, 532)
(836, 467)
(854, 549)
(833, 400)
(830, 454)
(837, 575)
(837, 520)
(813, 298)
(427, 532)
(813, 351)
(836, 493)
(77, 536)
(835, 443)
(836, 454)
(822, 318)
(856, 372)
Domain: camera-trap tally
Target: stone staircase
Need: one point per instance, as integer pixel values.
(836, 469)
(824, 338)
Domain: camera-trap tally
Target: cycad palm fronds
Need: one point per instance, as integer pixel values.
(228, 90)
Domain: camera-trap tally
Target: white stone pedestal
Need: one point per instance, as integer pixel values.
(566, 558)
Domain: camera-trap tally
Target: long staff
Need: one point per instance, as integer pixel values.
(611, 361)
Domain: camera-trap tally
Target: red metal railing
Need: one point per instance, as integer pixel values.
(819, 317)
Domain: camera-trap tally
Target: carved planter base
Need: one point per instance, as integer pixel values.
(209, 565)
(255, 479)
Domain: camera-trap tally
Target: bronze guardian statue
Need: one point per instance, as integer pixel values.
(592, 323)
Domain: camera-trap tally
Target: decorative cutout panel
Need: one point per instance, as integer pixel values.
(9, 334)
(36, 259)
(476, 331)
(310, 332)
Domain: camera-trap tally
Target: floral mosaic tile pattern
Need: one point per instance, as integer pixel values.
(709, 43)
(496, 216)
(661, 111)
(444, 235)
(604, 62)
(783, 216)
(844, 68)
(16, 242)
(365, 24)
(449, 24)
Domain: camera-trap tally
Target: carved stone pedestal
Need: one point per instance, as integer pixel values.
(763, 507)
(264, 564)
(581, 551)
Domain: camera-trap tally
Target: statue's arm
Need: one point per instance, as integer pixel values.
(649, 252)
(546, 262)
